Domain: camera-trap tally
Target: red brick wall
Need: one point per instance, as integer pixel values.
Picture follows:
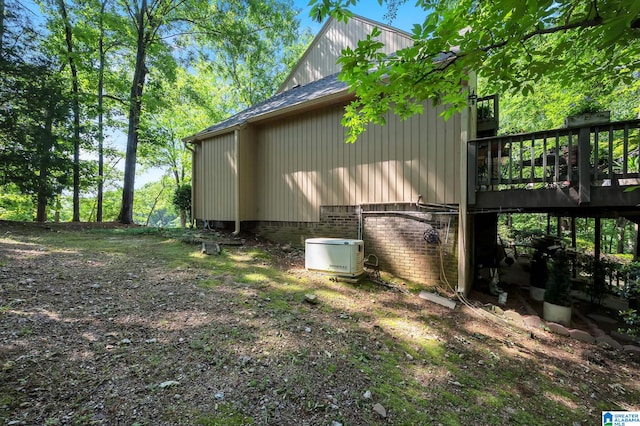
(393, 232)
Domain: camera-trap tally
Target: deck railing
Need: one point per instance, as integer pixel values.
(592, 155)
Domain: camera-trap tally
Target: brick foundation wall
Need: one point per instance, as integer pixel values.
(393, 232)
(335, 222)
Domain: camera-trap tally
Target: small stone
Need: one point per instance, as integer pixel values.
(311, 298)
(622, 336)
(307, 329)
(514, 316)
(153, 340)
(496, 310)
(125, 341)
(480, 362)
(409, 357)
(168, 384)
(582, 335)
(367, 395)
(558, 329)
(631, 349)
(334, 423)
(219, 396)
(378, 408)
(608, 343)
(177, 396)
(533, 321)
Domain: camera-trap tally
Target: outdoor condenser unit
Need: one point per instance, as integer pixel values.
(334, 256)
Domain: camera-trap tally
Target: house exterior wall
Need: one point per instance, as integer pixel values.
(214, 171)
(303, 163)
(320, 58)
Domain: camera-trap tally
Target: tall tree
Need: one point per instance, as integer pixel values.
(511, 42)
(75, 91)
(34, 146)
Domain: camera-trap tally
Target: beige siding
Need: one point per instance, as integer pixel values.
(303, 163)
(247, 173)
(320, 58)
(214, 174)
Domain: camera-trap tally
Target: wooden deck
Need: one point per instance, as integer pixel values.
(580, 171)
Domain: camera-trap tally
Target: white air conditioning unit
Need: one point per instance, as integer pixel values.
(334, 256)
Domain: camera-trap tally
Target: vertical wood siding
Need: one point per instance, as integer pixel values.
(320, 59)
(214, 174)
(302, 163)
(247, 174)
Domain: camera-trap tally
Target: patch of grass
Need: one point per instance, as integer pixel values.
(209, 283)
(252, 278)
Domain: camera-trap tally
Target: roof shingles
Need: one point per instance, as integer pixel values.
(326, 86)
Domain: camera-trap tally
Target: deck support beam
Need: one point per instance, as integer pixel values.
(584, 169)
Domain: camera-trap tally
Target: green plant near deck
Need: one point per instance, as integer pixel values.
(584, 105)
(632, 319)
(559, 282)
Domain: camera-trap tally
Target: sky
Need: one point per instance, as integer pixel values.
(408, 14)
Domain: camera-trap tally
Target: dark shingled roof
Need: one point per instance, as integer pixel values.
(298, 95)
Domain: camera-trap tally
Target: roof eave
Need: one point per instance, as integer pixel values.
(342, 95)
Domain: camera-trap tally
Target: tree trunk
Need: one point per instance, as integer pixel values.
(101, 116)
(636, 248)
(155, 202)
(183, 213)
(135, 107)
(43, 175)
(76, 111)
(621, 223)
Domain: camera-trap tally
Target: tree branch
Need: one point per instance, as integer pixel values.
(587, 23)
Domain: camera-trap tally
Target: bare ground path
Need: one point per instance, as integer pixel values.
(109, 325)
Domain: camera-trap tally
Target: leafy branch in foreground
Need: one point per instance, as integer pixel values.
(512, 43)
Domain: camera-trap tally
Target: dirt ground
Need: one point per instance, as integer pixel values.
(119, 328)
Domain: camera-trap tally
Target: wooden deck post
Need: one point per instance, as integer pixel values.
(596, 239)
(472, 175)
(574, 273)
(584, 167)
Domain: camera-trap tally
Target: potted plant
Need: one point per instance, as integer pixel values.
(557, 297)
(538, 270)
(538, 274)
(586, 111)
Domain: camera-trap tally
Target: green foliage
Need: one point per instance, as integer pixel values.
(632, 319)
(153, 205)
(552, 101)
(586, 104)
(34, 141)
(182, 198)
(559, 282)
(512, 43)
(14, 205)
